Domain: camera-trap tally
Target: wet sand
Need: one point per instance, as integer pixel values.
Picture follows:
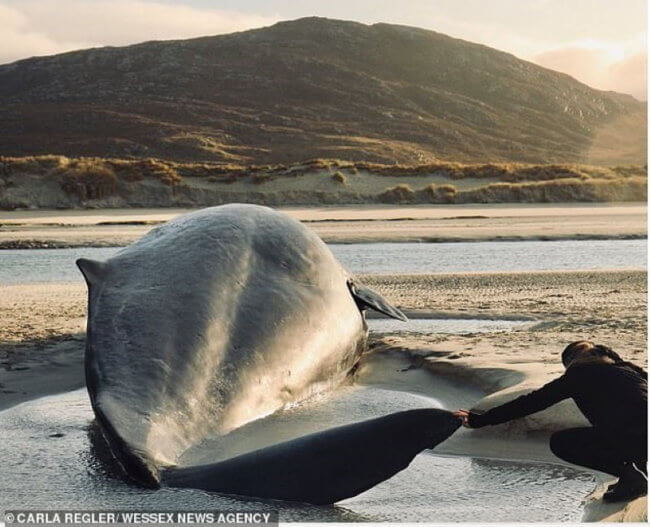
(350, 224)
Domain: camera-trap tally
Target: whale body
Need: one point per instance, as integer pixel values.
(214, 319)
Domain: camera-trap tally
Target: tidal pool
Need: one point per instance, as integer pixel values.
(456, 326)
(49, 462)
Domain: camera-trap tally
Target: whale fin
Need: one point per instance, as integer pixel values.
(367, 298)
(93, 270)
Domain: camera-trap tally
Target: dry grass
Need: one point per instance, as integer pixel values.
(320, 164)
(136, 170)
(560, 190)
(440, 193)
(555, 191)
(339, 177)
(171, 172)
(31, 164)
(88, 179)
(506, 172)
(397, 194)
(91, 177)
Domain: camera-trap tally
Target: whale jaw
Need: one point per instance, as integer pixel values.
(327, 466)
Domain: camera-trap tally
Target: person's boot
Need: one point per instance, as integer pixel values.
(632, 484)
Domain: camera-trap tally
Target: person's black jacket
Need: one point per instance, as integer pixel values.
(612, 396)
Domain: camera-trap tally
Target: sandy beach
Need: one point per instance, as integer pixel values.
(42, 325)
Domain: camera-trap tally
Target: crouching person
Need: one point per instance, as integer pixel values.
(613, 396)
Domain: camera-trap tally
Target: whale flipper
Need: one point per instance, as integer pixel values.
(324, 467)
(367, 298)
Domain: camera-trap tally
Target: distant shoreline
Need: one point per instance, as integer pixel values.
(45, 229)
(41, 244)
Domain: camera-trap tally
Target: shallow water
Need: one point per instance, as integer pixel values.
(57, 265)
(26, 266)
(45, 472)
(457, 326)
(415, 258)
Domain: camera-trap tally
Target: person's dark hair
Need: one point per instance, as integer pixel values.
(580, 346)
(597, 350)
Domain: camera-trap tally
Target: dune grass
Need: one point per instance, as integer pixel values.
(339, 177)
(90, 178)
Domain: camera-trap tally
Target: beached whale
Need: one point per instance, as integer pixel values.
(220, 317)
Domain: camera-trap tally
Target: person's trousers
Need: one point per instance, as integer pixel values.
(606, 452)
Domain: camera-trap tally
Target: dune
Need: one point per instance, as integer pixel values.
(58, 182)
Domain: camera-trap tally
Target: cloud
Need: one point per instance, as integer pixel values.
(19, 39)
(622, 67)
(43, 27)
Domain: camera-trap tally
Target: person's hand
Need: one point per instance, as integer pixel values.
(463, 415)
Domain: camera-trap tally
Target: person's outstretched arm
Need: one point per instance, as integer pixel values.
(546, 396)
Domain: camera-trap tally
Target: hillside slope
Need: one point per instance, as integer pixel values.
(313, 88)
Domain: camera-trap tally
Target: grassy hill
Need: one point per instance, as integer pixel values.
(313, 88)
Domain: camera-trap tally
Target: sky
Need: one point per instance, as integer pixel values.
(600, 42)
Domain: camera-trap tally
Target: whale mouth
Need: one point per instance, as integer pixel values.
(327, 466)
